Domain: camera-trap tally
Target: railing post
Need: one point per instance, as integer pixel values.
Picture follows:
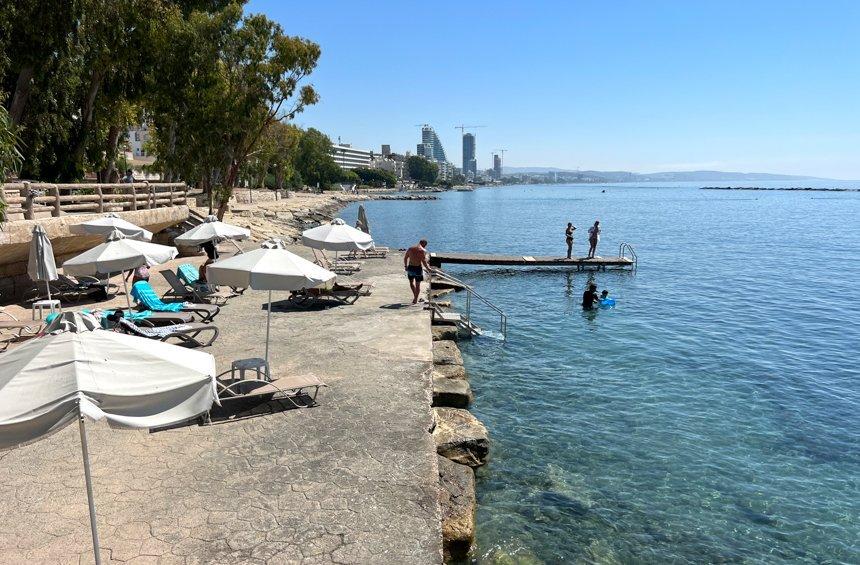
(101, 196)
(56, 211)
(133, 197)
(171, 195)
(27, 208)
(150, 195)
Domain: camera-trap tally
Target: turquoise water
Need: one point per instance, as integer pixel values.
(712, 416)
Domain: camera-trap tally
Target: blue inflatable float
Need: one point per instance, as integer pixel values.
(607, 302)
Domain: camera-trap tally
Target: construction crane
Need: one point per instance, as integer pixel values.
(463, 128)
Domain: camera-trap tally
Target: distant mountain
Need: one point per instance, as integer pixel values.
(669, 176)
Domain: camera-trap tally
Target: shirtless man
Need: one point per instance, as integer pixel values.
(415, 261)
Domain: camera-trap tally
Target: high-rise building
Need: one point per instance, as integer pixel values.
(386, 150)
(429, 137)
(497, 167)
(470, 164)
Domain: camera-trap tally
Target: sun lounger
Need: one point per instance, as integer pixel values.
(186, 334)
(339, 267)
(345, 294)
(190, 275)
(70, 289)
(372, 253)
(300, 391)
(197, 293)
(12, 331)
(155, 319)
(146, 299)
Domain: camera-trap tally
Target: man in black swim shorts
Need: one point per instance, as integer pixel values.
(415, 261)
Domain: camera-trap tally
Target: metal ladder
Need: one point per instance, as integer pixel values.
(625, 248)
(466, 319)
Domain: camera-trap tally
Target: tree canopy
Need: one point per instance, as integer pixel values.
(210, 80)
(422, 170)
(378, 178)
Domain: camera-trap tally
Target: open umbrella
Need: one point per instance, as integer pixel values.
(337, 236)
(119, 254)
(213, 230)
(41, 266)
(106, 226)
(362, 222)
(268, 269)
(132, 382)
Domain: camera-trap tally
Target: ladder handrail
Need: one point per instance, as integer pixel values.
(470, 291)
(625, 247)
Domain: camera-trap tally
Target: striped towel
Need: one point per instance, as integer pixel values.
(142, 293)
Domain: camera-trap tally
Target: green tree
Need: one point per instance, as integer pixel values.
(421, 170)
(10, 155)
(314, 161)
(376, 177)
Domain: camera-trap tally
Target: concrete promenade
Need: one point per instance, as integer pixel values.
(354, 480)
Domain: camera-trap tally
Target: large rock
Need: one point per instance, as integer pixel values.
(446, 353)
(445, 333)
(450, 371)
(457, 499)
(451, 393)
(460, 437)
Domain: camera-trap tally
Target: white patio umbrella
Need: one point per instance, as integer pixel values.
(119, 254)
(213, 230)
(132, 382)
(41, 266)
(268, 269)
(337, 236)
(106, 226)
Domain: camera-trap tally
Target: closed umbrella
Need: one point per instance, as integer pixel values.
(337, 236)
(72, 322)
(362, 223)
(107, 224)
(213, 230)
(132, 382)
(41, 266)
(119, 254)
(268, 269)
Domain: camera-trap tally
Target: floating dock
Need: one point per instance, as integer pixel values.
(621, 261)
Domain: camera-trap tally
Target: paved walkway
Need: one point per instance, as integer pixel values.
(352, 480)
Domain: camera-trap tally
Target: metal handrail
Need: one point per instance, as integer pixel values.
(624, 248)
(470, 291)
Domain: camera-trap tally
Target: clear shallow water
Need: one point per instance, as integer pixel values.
(713, 415)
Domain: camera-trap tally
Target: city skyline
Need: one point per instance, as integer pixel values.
(640, 87)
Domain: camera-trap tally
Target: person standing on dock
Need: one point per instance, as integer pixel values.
(593, 239)
(415, 261)
(568, 234)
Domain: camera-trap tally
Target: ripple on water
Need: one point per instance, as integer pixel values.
(712, 416)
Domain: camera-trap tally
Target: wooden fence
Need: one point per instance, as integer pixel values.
(33, 200)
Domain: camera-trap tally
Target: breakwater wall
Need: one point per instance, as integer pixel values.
(796, 188)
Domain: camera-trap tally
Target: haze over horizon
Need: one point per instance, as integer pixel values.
(765, 87)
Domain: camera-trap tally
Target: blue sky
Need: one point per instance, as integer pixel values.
(764, 86)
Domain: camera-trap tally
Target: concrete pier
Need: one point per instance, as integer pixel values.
(353, 480)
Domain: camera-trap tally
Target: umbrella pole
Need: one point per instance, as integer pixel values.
(125, 285)
(268, 324)
(89, 481)
(48, 288)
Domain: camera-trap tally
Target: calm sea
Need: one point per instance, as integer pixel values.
(712, 416)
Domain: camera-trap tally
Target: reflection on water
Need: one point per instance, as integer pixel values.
(711, 416)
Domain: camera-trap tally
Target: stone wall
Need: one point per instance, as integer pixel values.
(15, 242)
